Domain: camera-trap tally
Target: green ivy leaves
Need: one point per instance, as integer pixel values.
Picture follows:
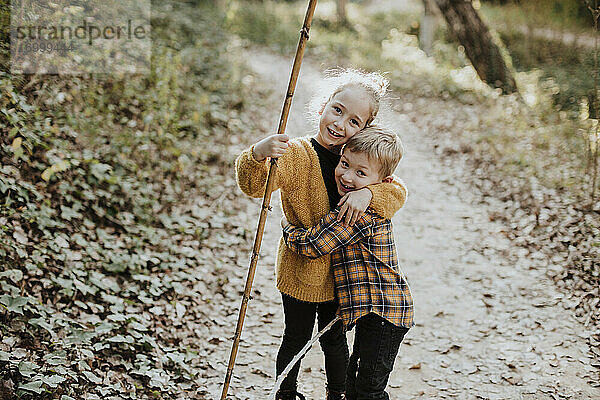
(102, 201)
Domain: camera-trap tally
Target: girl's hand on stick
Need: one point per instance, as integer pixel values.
(273, 146)
(353, 205)
(284, 222)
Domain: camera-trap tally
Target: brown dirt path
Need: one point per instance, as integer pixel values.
(486, 328)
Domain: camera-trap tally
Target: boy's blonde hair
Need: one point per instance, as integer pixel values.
(380, 144)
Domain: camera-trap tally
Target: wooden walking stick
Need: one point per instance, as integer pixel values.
(268, 190)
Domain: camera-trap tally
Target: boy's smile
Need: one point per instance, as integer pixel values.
(356, 171)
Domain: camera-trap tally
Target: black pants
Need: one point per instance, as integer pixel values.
(376, 344)
(299, 323)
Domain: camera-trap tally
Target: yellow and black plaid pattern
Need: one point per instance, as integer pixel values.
(365, 266)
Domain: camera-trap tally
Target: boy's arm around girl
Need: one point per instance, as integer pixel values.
(297, 168)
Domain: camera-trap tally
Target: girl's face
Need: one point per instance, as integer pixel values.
(343, 116)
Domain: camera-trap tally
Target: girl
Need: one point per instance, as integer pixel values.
(305, 177)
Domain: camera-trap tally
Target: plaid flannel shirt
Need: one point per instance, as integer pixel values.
(365, 266)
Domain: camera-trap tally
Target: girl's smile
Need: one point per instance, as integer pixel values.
(343, 116)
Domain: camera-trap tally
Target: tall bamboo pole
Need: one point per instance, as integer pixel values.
(267, 197)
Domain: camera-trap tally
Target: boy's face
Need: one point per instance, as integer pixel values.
(343, 116)
(355, 171)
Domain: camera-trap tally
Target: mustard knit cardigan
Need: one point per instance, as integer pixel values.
(304, 201)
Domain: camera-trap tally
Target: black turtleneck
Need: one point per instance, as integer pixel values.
(328, 161)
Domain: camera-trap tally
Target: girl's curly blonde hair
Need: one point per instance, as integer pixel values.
(337, 79)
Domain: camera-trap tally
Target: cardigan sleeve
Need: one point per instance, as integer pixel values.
(251, 175)
(388, 198)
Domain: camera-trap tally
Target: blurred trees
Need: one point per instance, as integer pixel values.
(428, 25)
(4, 35)
(569, 11)
(342, 14)
(483, 51)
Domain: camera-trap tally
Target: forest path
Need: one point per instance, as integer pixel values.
(486, 327)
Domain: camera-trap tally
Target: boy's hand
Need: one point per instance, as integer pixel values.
(353, 205)
(273, 146)
(284, 222)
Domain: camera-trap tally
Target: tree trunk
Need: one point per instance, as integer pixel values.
(427, 28)
(341, 12)
(485, 54)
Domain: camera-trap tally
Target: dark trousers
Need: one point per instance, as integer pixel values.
(299, 323)
(376, 344)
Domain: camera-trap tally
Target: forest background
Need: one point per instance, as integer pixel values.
(118, 205)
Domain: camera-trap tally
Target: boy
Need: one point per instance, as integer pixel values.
(372, 292)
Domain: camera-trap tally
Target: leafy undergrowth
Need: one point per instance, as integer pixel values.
(109, 187)
(522, 149)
